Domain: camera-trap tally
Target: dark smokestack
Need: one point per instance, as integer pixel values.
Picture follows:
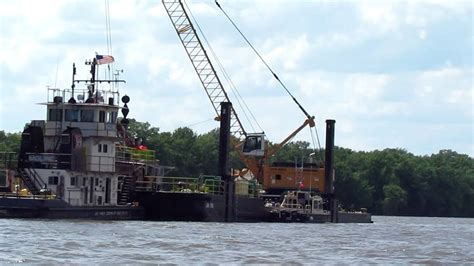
(223, 168)
(329, 156)
(224, 138)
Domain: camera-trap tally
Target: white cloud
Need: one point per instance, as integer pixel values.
(286, 51)
(381, 14)
(422, 35)
(373, 108)
(446, 85)
(366, 86)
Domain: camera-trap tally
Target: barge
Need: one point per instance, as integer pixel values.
(81, 163)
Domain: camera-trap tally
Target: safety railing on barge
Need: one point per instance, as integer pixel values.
(25, 194)
(204, 184)
(127, 154)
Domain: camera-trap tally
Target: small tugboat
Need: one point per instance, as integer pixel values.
(79, 162)
(299, 206)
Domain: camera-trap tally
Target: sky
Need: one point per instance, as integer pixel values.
(393, 74)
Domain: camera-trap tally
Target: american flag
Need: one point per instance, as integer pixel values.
(104, 59)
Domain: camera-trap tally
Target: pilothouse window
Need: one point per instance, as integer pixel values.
(101, 116)
(112, 117)
(72, 115)
(55, 114)
(87, 115)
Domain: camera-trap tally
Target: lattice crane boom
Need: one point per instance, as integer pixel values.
(201, 63)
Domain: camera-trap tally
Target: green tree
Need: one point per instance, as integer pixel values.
(291, 152)
(10, 142)
(144, 132)
(395, 199)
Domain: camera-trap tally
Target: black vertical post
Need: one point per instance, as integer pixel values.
(224, 136)
(329, 168)
(329, 156)
(93, 66)
(72, 100)
(223, 164)
(93, 70)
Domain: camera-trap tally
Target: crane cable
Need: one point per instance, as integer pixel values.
(264, 62)
(109, 38)
(234, 90)
(274, 75)
(319, 144)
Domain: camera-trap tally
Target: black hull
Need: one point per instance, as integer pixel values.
(177, 206)
(56, 209)
(165, 206)
(297, 217)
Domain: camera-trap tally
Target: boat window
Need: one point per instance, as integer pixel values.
(99, 148)
(104, 148)
(72, 115)
(101, 116)
(55, 114)
(3, 179)
(53, 180)
(87, 115)
(112, 117)
(252, 143)
(73, 181)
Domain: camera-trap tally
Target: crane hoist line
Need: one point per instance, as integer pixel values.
(251, 146)
(308, 116)
(265, 63)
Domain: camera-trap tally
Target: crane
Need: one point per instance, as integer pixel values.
(251, 146)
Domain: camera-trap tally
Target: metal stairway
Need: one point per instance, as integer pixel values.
(126, 191)
(31, 180)
(200, 60)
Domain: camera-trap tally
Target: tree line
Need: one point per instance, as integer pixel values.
(386, 182)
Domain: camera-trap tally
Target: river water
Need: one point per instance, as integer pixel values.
(389, 240)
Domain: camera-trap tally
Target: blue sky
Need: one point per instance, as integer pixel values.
(394, 74)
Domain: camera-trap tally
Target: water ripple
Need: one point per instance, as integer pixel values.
(392, 240)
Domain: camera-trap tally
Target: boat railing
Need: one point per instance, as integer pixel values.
(81, 95)
(214, 186)
(126, 154)
(203, 184)
(292, 206)
(24, 194)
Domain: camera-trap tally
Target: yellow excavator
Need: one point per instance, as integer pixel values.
(252, 147)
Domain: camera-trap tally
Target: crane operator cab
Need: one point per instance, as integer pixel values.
(254, 144)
